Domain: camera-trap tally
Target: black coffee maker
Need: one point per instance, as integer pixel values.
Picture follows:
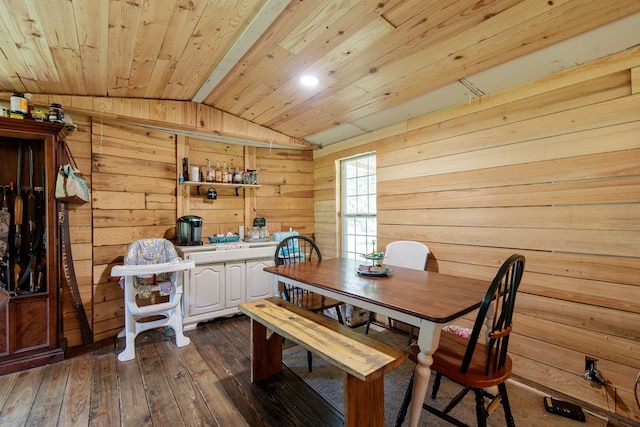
(189, 230)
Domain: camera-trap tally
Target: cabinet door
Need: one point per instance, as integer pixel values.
(30, 324)
(235, 284)
(260, 284)
(206, 289)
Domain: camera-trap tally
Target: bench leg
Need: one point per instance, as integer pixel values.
(266, 352)
(363, 402)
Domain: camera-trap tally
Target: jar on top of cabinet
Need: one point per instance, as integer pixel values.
(19, 106)
(56, 113)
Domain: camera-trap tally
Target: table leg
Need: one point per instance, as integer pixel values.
(428, 340)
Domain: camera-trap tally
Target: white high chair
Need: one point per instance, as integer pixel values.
(146, 260)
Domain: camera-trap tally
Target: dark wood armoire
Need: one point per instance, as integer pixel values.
(30, 324)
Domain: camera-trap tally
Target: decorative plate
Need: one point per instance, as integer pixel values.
(374, 271)
(373, 255)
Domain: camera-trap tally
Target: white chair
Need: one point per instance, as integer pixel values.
(407, 254)
(151, 266)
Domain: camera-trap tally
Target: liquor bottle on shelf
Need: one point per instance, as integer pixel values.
(218, 172)
(210, 172)
(225, 173)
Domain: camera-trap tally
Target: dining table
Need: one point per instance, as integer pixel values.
(425, 299)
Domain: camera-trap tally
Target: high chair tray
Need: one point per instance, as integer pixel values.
(141, 270)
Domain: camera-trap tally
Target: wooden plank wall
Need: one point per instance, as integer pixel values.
(133, 176)
(134, 197)
(285, 199)
(550, 169)
(227, 212)
(80, 233)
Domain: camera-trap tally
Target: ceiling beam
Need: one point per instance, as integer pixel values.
(177, 117)
(265, 17)
(216, 136)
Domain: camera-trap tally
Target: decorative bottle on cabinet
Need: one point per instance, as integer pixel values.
(30, 323)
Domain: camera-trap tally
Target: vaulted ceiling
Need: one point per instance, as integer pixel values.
(377, 62)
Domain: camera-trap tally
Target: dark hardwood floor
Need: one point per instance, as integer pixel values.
(206, 383)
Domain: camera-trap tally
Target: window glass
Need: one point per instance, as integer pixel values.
(358, 189)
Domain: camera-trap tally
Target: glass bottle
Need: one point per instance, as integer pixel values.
(210, 172)
(225, 173)
(237, 177)
(218, 172)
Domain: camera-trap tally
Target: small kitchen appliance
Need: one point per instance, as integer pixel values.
(189, 230)
(259, 232)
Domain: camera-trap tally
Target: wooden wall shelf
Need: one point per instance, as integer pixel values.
(199, 184)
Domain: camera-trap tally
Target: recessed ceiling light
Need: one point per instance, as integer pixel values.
(309, 80)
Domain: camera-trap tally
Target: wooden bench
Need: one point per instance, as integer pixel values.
(363, 360)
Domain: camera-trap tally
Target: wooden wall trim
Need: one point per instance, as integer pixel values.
(635, 80)
(182, 199)
(178, 117)
(608, 65)
(623, 61)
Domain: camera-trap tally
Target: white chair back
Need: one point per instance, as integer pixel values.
(406, 253)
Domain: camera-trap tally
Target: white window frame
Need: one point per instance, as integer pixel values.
(359, 228)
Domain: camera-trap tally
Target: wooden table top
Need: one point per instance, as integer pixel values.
(436, 297)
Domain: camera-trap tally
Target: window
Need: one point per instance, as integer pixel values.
(358, 189)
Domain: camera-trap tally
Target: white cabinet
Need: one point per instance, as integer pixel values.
(235, 284)
(222, 279)
(259, 282)
(205, 292)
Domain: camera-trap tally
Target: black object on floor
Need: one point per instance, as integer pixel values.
(566, 409)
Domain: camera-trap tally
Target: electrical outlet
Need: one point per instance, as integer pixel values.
(591, 371)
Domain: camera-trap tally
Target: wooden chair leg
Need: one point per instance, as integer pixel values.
(405, 403)
(366, 330)
(505, 405)
(457, 400)
(436, 385)
(481, 414)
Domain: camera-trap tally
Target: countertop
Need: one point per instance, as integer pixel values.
(225, 246)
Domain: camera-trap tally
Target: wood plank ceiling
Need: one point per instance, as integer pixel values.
(245, 56)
